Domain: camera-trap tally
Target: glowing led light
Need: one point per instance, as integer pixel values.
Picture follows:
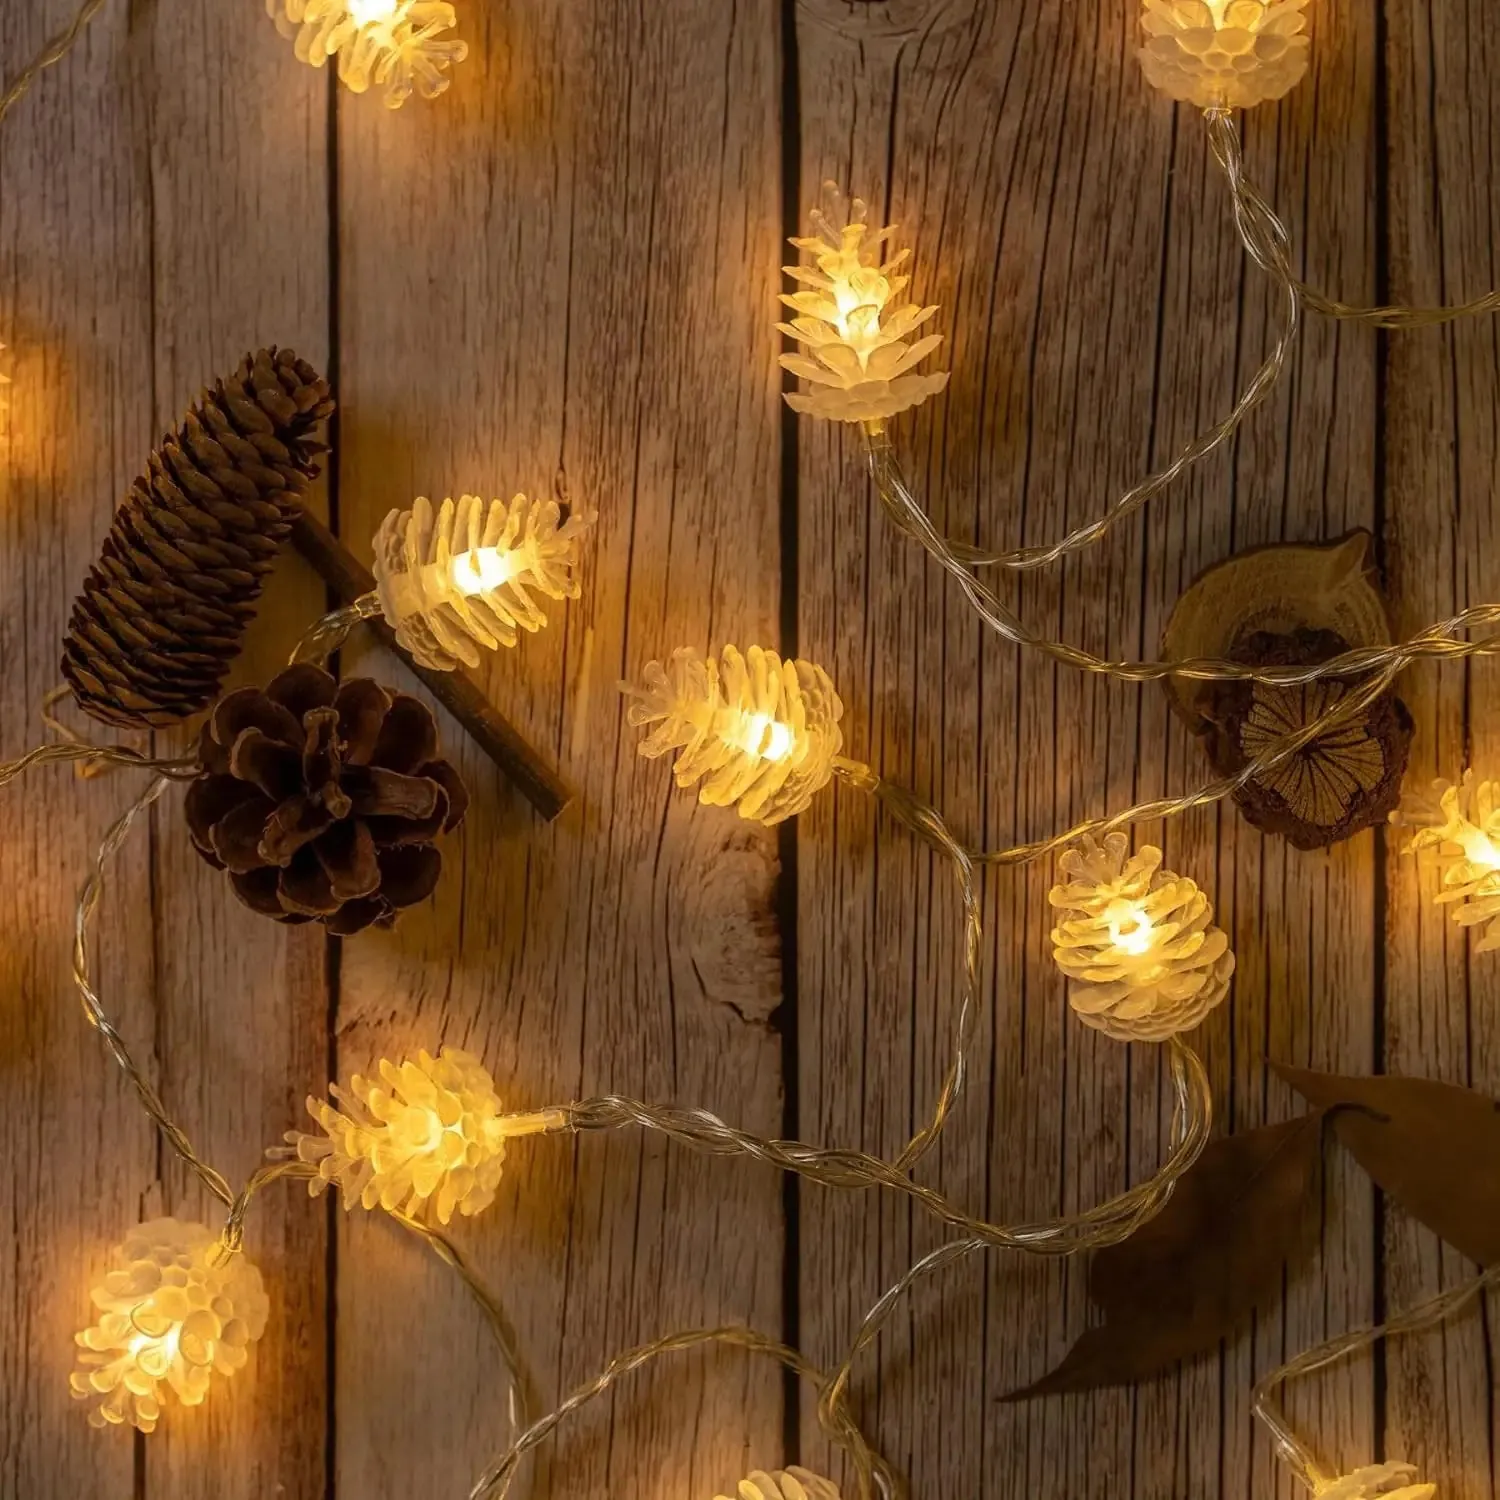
(459, 579)
(175, 1309)
(1390, 1481)
(1224, 54)
(369, 12)
(1130, 928)
(763, 736)
(1461, 824)
(396, 44)
(1137, 941)
(858, 365)
(487, 568)
(425, 1139)
(753, 731)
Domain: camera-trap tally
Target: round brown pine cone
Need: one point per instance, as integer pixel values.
(322, 799)
(163, 610)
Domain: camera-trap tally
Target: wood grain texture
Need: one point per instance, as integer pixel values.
(561, 278)
(239, 259)
(573, 300)
(1443, 1002)
(79, 1156)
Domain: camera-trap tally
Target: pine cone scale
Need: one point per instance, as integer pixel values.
(304, 832)
(190, 547)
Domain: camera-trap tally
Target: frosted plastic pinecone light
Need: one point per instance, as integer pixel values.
(785, 1484)
(174, 1310)
(1221, 54)
(425, 1138)
(460, 579)
(1462, 823)
(859, 365)
(394, 44)
(1378, 1482)
(754, 731)
(1137, 941)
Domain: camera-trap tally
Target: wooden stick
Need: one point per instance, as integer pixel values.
(539, 782)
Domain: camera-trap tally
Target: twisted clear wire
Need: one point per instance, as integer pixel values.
(874, 1475)
(54, 51)
(1291, 1449)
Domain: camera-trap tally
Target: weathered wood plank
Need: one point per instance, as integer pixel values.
(79, 1156)
(1441, 1018)
(1045, 189)
(235, 143)
(558, 279)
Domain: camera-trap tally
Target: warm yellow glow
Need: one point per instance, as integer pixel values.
(785, 1484)
(858, 364)
(425, 1139)
(763, 736)
(1461, 824)
(460, 579)
(486, 568)
(1131, 929)
(1389, 1481)
(368, 12)
(1224, 54)
(1137, 941)
(753, 731)
(175, 1309)
(394, 43)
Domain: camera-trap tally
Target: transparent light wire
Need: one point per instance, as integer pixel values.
(1267, 242)
(326, 636)
(1303, 1461)
(874, 1476)
(52, 52)
(1262, 383)
(1434, 643)
(273, 1170)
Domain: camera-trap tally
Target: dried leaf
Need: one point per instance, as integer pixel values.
(1434, 1147)
(1184, 1280)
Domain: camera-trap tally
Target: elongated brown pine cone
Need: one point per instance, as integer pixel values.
(322, 799)
(163, 610)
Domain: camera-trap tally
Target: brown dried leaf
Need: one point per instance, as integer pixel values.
(1184, 1280)
(1434, 1147)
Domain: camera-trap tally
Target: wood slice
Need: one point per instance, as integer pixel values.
(1292, 605)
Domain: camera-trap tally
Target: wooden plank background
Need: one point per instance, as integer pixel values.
(561, 278)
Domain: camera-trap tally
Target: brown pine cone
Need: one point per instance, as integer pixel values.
(322, 799)
(162, 612)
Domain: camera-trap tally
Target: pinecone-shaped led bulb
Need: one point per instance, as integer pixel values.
(1224, 54)
(425, 1138)
(785, 1484)
(1137, 941)
(397, 45)
(175, 1309)
(753, 731)
(460, 579)
(1377, 1482)
(1462, 823)
(859, 365)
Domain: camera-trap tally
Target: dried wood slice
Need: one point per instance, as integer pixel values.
(1292, 605)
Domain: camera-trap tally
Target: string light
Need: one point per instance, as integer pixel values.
(785, 1484)
(1377, 1482)
(426, 1139)
(754, 730)
(1383, 1481)
(859, 366)
(1138, 942)
(1224, 54)
(395, 44)
(175, 1310)
(459, 580)
(1461, 822)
